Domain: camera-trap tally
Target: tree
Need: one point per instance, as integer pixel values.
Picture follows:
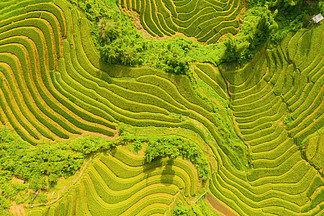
(235, 49)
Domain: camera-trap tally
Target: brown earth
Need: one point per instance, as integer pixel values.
(17, 210)
(219, 207)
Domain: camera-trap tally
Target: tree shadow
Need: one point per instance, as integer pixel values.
(167, 175)
(113, 71)
(148, 169)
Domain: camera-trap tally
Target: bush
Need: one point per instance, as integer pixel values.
(257, 28)
(180, 209)
(174, 147)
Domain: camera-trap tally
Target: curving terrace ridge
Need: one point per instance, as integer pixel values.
(114, 186)
(277, 103)
(205, 20)
(30, 48)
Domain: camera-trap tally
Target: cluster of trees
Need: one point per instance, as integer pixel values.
(174, 147)
(168, 146)
(258, 26)
(119, 42)
(200, 208)
(94, 9)
(181, 209)
(266, 23)
(41, 166)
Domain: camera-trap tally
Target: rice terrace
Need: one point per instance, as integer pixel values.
(161, 107)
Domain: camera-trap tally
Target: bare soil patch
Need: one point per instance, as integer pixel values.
(218, 206)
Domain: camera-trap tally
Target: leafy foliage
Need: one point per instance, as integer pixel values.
(265, 22)
(201, 208)
(119, 42)
(180, 209)
(4, 205)
(173, 147)
(258, 26)
(290, 15)
(41, 166)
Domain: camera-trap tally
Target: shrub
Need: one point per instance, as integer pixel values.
(174, 147)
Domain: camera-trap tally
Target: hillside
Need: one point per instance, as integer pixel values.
(149, 107)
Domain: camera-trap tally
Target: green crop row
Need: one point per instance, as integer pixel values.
(44, 78)
(264, 193)
(214, 85)
(250, 207)
(93, 196)
(80, 83)
(279, 147)
(15, 70)
(117, 90)
(53, 9)
(280, 179)
(163, 21)
(187, 6)
(39, 45)
(149, 20)
(149, 185)
(21, 104)
(177, 89)
(146, 195)
(195, 17)
(251, 95)
(184, 180)
(281, 138)
(271, 164)
(27, 79)
(15, 120)
(186, 17)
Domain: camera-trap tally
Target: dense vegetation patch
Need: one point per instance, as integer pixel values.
(169, 146)
(119, 42)
(173, 147)
(264, 23)
(40, 167)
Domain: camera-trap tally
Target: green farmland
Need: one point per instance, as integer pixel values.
(161, 107)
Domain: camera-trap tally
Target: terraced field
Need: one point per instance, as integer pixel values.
(207, 21)
(31, 50)
(277, 102)
(123, 184)
(79, 93)
(55, 87)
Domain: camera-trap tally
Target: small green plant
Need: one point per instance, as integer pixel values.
(181, 210)
(288, 119)
(137, 145)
